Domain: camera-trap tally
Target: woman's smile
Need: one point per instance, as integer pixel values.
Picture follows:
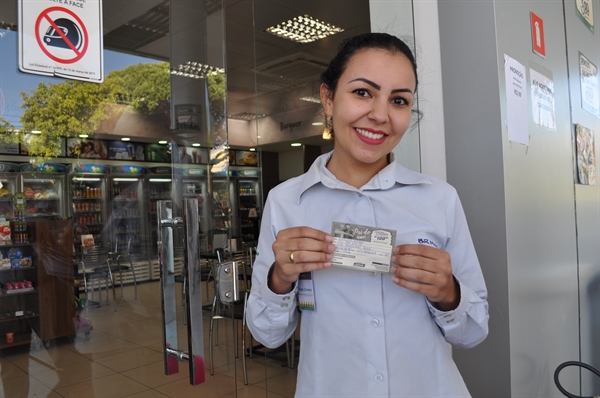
(370, 136)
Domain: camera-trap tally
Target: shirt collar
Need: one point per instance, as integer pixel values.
(385, 179)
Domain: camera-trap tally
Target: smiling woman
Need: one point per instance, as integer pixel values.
(389, 330)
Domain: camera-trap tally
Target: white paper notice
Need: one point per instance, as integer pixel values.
(516, 100)
(542, 100)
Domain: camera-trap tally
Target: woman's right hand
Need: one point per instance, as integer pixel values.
(297, 250)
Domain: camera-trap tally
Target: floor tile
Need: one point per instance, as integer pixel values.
(153, 375)
(72, 374)
(24, 387)
(130, 359)
(214, 386)
(147, 394)
(113, 386)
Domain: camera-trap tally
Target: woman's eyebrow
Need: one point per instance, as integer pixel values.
(378, 87)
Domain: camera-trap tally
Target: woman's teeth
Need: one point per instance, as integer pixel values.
(369, 134)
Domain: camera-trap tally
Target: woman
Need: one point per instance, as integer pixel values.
(371, 334)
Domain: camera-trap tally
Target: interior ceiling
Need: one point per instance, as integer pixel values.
(265, 74)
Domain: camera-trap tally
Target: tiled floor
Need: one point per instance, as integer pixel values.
(123, 358)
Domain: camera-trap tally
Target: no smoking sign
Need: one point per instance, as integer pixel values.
(63, 40)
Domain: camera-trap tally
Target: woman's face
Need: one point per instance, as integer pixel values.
(371, 107)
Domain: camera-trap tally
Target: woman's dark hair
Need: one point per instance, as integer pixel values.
(364, 41)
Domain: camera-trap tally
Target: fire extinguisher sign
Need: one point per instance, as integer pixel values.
(62, 38)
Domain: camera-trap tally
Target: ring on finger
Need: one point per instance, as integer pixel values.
(292, 256)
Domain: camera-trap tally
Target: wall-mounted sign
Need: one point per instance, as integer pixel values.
(588, 77)
(62, 38)
(125, 150)
(585, 12)
(86, 149)
(542, 100)
(516, 100)
(537, 35)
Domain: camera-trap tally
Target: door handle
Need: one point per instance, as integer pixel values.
(193, 287)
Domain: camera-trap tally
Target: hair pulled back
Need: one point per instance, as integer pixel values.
(364, 41)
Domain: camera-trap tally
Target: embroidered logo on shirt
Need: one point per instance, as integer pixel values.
(429, 242)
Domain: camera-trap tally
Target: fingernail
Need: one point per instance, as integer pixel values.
(327, 265)
(328, 238)
(394, 268)
(331, 248)
(329, 256)
(395, 279)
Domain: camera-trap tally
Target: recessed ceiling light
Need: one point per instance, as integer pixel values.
(196, 70)
(125, 139)
(296, 144)
(317, 124)
(252, 149)
(162, 142)
(195, 144)
(83, 136)
(303, 29)
(36, 132)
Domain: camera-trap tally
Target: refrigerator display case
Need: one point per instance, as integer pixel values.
(45, 189)
(223, 213)
(129, 232)
(88, 185)
(193, 184)
(8, 188)
(160, 186)
(249, 200)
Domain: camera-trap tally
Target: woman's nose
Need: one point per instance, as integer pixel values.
(379, 112)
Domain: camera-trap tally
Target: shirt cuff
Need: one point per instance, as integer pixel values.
(448, 317)
(274, 300)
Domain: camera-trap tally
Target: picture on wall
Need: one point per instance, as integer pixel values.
(86, 149)
(158, 153)
(586, 155)
(192, 155)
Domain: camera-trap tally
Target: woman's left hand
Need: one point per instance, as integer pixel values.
(426, 270)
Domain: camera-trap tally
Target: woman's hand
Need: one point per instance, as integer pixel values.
(427, 270)
(297, 250)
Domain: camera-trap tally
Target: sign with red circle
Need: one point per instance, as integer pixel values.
(61, 34)
(63, 40)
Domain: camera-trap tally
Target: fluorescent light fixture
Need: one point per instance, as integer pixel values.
(162, 142)
(317, 124)
(296, 144)
(159, 180)
(303, 29)
(124, 179)
(247, 116)
(125, 139)
(195, 144)
(83, 136)
(85, 179)
(252, 149)
(196, 70)
(316, 99)
(36, 132)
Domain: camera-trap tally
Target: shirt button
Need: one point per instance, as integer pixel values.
(378, 377)
(359, 195)
(374, 322)
(284, 305)
(373, 273)
(286, 298)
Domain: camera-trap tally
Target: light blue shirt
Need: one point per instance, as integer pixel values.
(369, 337)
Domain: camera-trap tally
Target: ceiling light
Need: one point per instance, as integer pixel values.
(196, 70)
(195, 144)
(312, 98)
(252, 149)
(125, 139)
(303, 29)
(36, 132)
(247, 116)
(296, 144)
(162, 142)
(317, 124)
(83, 136)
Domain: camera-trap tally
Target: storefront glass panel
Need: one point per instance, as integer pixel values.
(195, 117)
